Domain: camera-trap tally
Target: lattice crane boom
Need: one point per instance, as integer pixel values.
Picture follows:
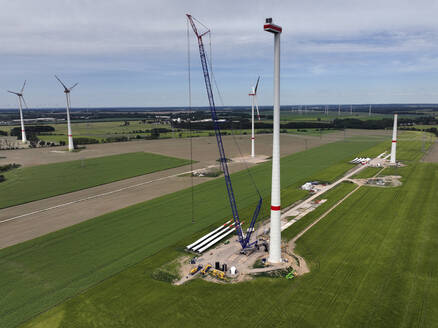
(244, 240)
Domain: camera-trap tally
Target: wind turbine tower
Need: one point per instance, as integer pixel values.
(20, 107)
(339, 110)
(275, 232)
(394, 141)
(254, 103)
(67, 97)
(369, 111)
(351, 109)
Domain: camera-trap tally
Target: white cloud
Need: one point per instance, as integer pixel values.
(116, 40)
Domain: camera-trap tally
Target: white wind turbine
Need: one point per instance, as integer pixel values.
(254, 103)
(20, 106)
(67, 96)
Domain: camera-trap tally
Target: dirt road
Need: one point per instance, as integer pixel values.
(204, 148)
(28, 221)
(432, 154)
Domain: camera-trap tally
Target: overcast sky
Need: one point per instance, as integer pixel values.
(134, 53)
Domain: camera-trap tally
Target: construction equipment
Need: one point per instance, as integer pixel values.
(291, 274)
(196, 269)
(218, 274)
(206, 269)
(244, 240)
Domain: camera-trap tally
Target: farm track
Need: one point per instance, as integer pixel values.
(204, 148)
(34, 219)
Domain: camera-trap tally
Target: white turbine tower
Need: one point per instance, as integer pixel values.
(20, 107)
(369, 111)
(254, 103)
(67, 96)
(394, 141)
(351, 109)
(275, 232)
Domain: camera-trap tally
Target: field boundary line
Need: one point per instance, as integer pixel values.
(93, 196)
(324, 215)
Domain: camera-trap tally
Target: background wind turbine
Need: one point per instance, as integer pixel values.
(253, 94)
(20, 99)
(67, 96)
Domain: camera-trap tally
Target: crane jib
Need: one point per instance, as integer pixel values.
(244, 241)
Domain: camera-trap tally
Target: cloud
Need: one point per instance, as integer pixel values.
(137, 41)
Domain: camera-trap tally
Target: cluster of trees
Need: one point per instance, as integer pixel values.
(84, 141)
(154, 130)
(385, 123)
(8, 167)
(431, 130)
(353, 123)
(3, 133)
(246, 124)
(5, 168)
(32, 130)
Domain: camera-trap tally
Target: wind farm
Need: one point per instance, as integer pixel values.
(311, 204)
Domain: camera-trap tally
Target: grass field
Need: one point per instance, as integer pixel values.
(373, 264)
(40, 273)
(27, 184)
(98, 128)
(103, 130)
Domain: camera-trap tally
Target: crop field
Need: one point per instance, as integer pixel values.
(102, 130)
(61, 264)
(98, 128)
(373, 264)
(288, 116)
(27, 184)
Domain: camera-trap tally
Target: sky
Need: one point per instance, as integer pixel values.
(135, 52)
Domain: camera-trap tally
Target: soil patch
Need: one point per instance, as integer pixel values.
(432, 154)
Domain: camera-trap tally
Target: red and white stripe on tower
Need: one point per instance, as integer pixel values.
(275, 232)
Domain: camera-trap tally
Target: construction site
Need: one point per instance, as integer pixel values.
(291, 223)
(260, 250)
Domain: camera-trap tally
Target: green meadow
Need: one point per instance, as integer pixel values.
(28, 184)
(38, 274)
(373, 264)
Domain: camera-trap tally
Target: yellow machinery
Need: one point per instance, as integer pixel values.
(218, 274)
(195, 269)
(205, 270)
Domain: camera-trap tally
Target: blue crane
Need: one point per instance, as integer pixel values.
(243, 239)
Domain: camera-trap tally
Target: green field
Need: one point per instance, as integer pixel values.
(40, 273)
(27, 184)
(102, 130)
(288, 116)
(373, 264)
(98, 128)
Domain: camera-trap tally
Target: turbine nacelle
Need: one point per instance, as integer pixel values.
(19, 94)
(66, 90)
